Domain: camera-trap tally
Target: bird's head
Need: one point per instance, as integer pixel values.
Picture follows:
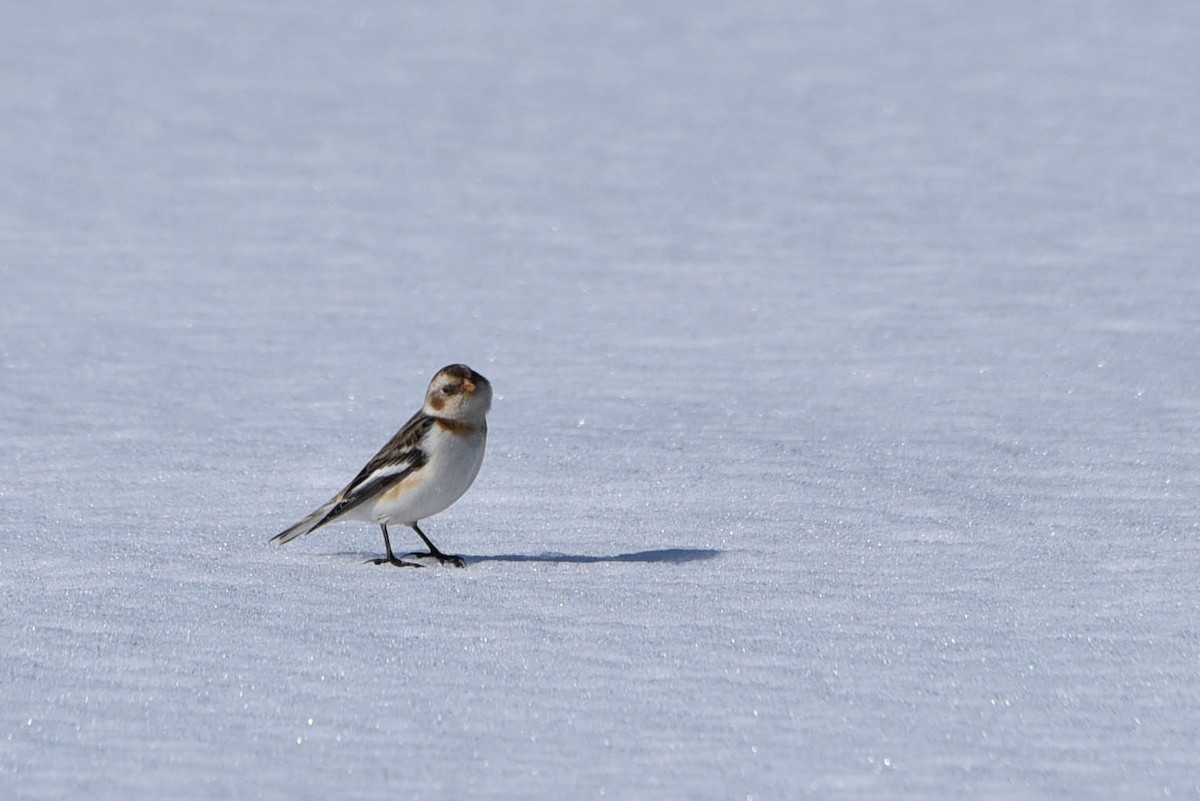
(458, 393)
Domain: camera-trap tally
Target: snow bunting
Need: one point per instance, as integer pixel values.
(424, 468)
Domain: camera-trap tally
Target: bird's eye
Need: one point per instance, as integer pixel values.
(449, 389)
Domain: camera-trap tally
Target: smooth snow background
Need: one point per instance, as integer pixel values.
(848, 369)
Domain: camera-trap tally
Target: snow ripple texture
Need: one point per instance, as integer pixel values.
(847, 431)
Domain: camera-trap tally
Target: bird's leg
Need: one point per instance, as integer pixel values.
(433, 551)
(391, 558)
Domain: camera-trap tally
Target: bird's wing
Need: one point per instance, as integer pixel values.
(395, 461)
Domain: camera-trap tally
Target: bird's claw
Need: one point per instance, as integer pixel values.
(383, 560)
(457, 561)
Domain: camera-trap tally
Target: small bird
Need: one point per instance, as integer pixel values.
(424, 468)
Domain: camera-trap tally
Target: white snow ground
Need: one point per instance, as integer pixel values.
(848, 362)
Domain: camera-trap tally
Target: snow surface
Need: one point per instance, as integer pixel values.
(847, 440)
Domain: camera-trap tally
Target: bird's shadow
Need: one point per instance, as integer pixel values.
(674, 556)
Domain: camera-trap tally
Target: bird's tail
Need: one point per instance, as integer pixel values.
(315, 519)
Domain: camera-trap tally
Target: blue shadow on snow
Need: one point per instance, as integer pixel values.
(675, 556)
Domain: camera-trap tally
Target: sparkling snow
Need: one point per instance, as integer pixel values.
(847, 433)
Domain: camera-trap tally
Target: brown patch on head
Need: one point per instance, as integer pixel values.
(451, 380)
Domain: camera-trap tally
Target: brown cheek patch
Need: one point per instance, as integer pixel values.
(437, 402)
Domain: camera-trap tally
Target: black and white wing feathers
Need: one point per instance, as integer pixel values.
(396, 460)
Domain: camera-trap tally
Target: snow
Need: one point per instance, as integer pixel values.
(847, 360)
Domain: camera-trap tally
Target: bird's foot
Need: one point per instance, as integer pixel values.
(391, 560)
(457, 561)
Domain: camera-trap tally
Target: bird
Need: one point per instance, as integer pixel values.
(421, 471)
